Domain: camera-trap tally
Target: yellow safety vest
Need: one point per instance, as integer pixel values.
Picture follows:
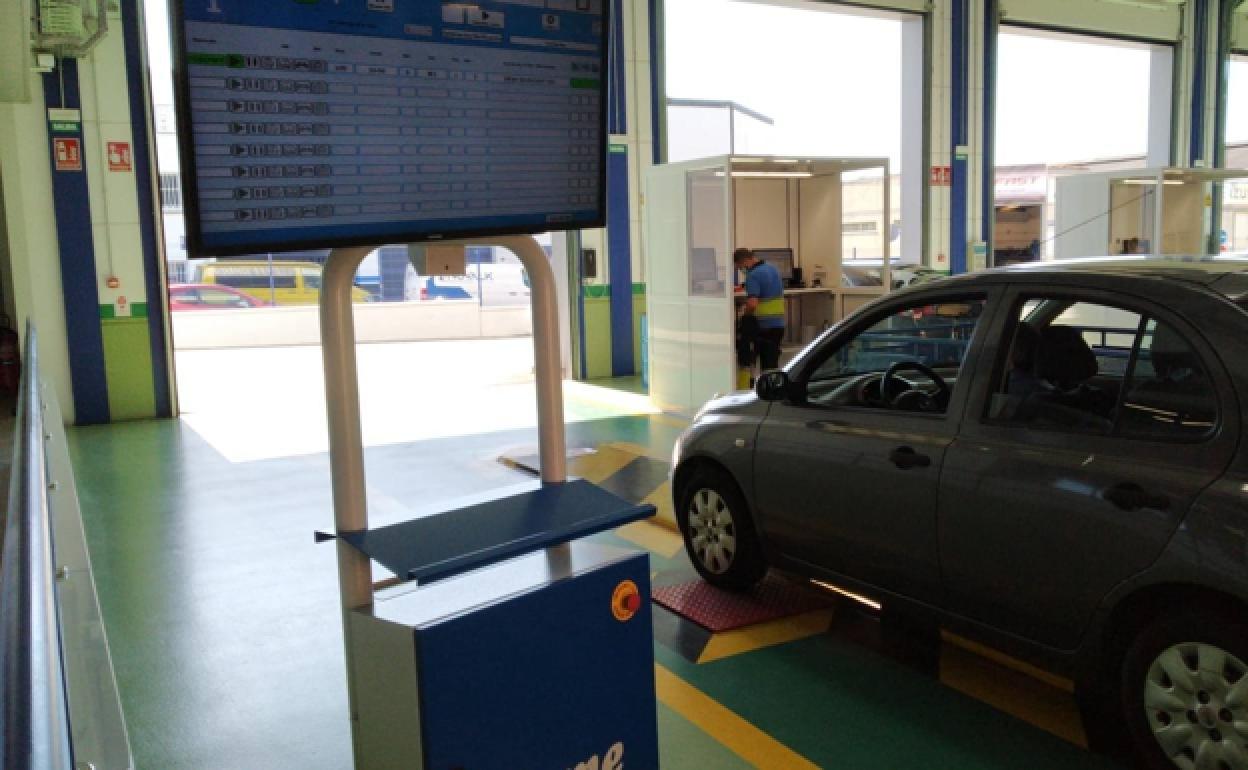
(770, 308)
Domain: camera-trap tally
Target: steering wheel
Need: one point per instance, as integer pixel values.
(886, 383)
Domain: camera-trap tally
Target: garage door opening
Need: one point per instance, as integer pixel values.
(1069, 104)
(1234, 235)
(807, 80)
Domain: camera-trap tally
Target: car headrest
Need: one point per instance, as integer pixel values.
(1064, 357)
(1171, 354)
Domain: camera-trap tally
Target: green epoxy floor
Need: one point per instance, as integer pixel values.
(223, 617)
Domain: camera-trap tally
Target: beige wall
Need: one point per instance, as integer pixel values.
(30, 225)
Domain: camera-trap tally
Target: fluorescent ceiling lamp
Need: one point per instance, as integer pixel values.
(1149, 181)
(785, 160)
(786, 174)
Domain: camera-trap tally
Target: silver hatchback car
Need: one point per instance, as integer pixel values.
(1047, 458)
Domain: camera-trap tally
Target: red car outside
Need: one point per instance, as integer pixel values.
(210, 296)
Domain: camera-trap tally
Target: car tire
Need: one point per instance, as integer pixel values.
(1184, 692)
(718, 531)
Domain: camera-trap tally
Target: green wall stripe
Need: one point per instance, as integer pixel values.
(137, 310)
(597, 301)
(128, 366)
(597, 337)
(602, 290)
(639, 308)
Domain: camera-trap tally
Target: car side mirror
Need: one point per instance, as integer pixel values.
(773, 385)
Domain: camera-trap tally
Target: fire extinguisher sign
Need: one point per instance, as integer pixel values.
(67, 153)
(66, 150)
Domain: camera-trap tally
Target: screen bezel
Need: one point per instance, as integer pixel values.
(195, 246)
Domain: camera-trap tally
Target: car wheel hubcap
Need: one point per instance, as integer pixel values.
(1196, 700)
(712, 532)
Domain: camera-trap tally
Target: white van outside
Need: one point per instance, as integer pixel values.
(491, 285)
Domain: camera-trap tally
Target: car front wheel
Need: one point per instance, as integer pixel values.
(718, 532)
(1185, 693)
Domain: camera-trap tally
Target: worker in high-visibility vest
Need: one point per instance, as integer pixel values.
(761, 326)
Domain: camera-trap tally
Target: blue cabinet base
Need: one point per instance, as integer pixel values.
(541, 661)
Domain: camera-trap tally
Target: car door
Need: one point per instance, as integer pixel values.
(847, 484)
(1043, 511)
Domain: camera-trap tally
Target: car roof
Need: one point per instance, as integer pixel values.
(1227, 275)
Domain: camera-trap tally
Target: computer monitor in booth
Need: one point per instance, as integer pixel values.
(780, 259)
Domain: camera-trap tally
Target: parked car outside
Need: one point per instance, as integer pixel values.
(209, 296)
(497, 284)
(1047, 458)
(286, 282)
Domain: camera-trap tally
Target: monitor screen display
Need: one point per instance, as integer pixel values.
(780, 259)
(359, 122)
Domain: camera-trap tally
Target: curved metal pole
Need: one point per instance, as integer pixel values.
(346, 445)
(552, 441)
(342, 405)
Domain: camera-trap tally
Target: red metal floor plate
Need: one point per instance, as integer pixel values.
(718, 610)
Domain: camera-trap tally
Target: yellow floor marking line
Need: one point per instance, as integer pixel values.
(674, 420)
(641, 450)
(600, 465)
(1000, 658)
(652, 536)
(756, 637)
(661, 499)
(730, 730)
(1036, 702)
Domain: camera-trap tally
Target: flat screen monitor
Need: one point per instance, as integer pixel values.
(781, 259)
(359, 122)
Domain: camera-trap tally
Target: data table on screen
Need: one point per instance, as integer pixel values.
(458, 124)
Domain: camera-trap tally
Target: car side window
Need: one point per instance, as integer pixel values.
(908, 360)
(1087, 367)
(1170, 395)
(1065, 364)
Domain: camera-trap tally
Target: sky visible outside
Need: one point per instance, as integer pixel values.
(1237, 105)
(831, 79)
(1065, 99)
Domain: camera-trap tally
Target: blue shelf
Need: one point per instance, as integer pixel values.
(445, 544)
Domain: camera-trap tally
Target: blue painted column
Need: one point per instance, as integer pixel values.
(72, 203)
(988, 205)
(619, 228)
(1200, 65)
(143, 166)
(960, 180)
(619, 260)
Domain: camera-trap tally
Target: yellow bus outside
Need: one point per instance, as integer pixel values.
(289, 283)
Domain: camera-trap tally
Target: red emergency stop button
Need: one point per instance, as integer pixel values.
(625, 601)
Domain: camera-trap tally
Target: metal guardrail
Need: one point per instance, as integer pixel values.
(35, 716)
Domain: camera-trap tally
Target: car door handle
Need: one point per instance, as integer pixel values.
(905, 458)
(1132, 497)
